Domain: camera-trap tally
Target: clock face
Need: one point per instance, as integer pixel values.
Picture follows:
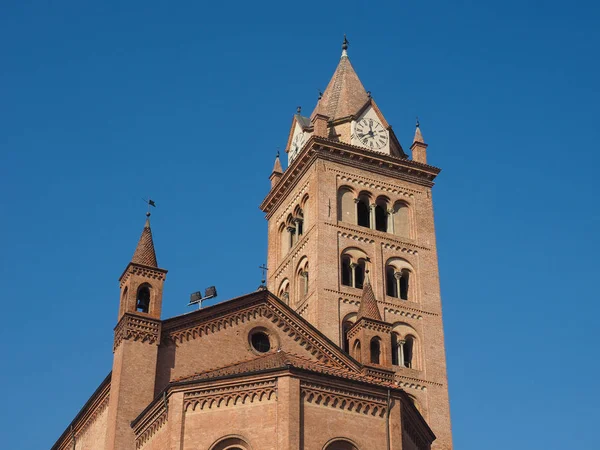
(297, 144)
(371, 133)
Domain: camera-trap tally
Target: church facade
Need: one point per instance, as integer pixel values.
(343, 349)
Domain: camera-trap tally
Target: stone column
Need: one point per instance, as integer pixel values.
(372, 215)
(397, 276)
(401, 343)
(353, 274)
(390, 216)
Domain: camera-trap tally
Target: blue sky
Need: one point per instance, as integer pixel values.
(104, 103)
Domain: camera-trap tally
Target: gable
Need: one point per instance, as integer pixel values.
(221, 336)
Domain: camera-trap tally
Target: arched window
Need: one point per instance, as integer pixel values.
(302, 279)
(143, 299)
(284, 291)
(405, 346)
(345, 205)
(401, 219)
(356, 353)
(363, 211)
(359, 273)
(347, 323)
(305, 211)
(398, 279)
(390, 282)
(375, 351)
(353, 264)
(299, 222)
(381, 214)
(407, 351)
(346, 270)
(403, 284)
(231, 443)
(341, 445)
(284, 241)
(395, 349)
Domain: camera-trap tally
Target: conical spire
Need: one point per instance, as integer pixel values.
(418, 136)
(345, 95)
(144, 253)
(277, 166)
(419, 147)
(368, 304)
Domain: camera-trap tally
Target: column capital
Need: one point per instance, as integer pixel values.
(291, 229)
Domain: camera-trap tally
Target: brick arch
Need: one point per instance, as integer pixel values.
(232, 442)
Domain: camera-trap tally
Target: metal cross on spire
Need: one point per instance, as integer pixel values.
(264, 269)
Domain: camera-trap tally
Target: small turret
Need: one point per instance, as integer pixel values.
(419, 147)
(277, 172)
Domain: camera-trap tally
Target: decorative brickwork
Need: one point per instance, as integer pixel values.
(145, 429)
(137, 328)
(343, 399)
(229, 396)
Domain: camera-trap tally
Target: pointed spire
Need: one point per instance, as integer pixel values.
(368, 304)
(345, 95)
(144, 253)
(418, 136)
(419, 147)
(277, 166)
(277, 171)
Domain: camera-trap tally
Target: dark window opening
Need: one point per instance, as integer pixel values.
(375, 351)
(300, 225)
(404, 285)
(407, 351)
(362, 210)
(260, 342)
(359, 274)
(380, 218)
(395, 359)
(143, 300)
(346, 271)
(345, 328)
(390, 282)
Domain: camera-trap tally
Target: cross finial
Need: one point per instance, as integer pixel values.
(299, 109)
(345, 47)
(418, 125)
(264, 269)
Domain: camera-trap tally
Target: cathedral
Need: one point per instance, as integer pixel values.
(342, 347)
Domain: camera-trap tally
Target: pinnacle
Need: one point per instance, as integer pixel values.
(277, 166)
(418, 136)
(144, 252)
(345, 95)
(368, 304)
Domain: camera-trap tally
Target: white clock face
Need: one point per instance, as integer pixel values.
(371, 133)
(297, 144)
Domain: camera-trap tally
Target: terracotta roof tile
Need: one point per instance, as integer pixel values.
(345, 95)
(418, 136)
(144, 253)
(368, 304)
(277, 166)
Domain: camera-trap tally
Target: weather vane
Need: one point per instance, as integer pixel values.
(150, 203)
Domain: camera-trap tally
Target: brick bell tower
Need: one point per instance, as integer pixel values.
(137, 336)
(351, 241)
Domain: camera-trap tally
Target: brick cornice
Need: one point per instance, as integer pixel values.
(137, 328)
(223, 396)
(347, 400)
(350, 155)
